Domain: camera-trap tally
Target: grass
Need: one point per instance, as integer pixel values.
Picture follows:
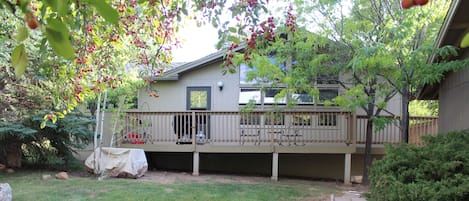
(29, 186)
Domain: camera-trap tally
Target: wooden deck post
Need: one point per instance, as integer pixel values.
(195, 168)
(347, 168)
(275, 166)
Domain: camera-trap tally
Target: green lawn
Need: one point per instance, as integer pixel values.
(28, 186)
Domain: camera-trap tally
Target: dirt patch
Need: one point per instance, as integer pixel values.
(344, 192)
(164, 177)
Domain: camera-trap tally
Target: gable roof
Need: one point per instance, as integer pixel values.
(455, 25)
(174, 73)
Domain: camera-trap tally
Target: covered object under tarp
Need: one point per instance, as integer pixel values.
(118, 162)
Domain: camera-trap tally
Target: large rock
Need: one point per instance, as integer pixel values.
(5, 192)
(62, 175)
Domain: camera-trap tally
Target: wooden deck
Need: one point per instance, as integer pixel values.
(321, 132)
(258, 132)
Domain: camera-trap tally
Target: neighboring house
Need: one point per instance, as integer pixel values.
(198, 122)
(453, 90)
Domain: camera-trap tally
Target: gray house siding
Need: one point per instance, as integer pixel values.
(454, 101)
(453, 91)
(172, 94)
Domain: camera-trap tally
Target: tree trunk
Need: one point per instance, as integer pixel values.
(405, 115)
(368, 142)
(13, 154)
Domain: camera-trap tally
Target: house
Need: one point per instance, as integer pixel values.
(198, 121)
(453, 90)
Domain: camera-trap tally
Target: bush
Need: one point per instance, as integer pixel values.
(437, 171)
(52, 146)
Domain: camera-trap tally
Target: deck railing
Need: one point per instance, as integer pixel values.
(418, 127)
(263, 128)
(245, 128)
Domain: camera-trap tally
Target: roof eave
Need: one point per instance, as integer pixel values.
(174, 74)
(430, 92)
(166, 78)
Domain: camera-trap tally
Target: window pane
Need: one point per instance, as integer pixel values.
(328, 94)
(303, 98)
(243, 69)
(270, 94)
(198, 99)
(282, 66)
(245, 95)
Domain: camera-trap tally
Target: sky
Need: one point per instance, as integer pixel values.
(197, 42)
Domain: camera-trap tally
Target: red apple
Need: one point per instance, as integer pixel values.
(406, 4)
(420, 2)
(31, 20)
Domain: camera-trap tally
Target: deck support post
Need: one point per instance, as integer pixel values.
(347, 168)
(195, 168)
(275, 166)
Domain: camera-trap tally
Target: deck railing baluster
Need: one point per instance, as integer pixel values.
(262, 128)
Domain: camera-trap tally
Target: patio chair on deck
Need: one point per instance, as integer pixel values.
(249, 133)
(292, 133)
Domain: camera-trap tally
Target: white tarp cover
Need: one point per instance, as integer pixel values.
(119, 162)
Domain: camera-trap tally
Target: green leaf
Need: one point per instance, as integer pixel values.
(60, 115)
(465, 41)
(62, 7)
(106, 11)
(22, 34)
(59, 6)
(43, 124)
(58, 38)
(214, 23)
(234, 39)
(19, 60)
(54, 119)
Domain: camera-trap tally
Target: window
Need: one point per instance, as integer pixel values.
(243, 75)
(245, 71)
(198, 98)
(269, 96)
(303, 98)
(254, 91)
(328, 94)
(249, 94)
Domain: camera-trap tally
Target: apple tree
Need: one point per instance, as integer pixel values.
(60, 53)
